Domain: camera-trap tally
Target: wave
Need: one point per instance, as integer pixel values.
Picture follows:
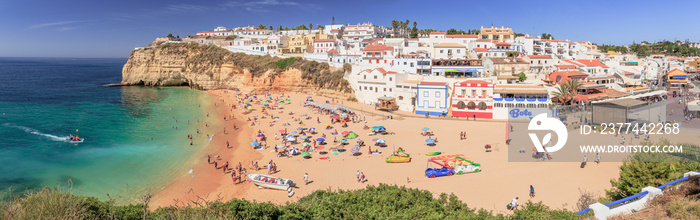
(37, 132)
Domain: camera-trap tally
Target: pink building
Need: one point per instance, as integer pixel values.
(473, 98)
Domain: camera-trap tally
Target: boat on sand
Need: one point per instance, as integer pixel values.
(271, 182)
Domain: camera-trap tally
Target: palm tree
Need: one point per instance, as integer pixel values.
(395, 24)
(573, 86)
(562, 93)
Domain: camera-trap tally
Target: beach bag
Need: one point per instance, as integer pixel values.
(509, 206)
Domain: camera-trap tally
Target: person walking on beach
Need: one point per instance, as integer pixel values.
(358, 175)
(597, 158)
(216, 165)
(514, 203)
(209, 158)
(233, 176)
(306, 178)
(532, 192)
(227, 144)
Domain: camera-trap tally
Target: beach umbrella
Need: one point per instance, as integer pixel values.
(320, 139)
(308, 97)
(430, 140)
(336, 117)
(300, 128)
(381, 141)
(293, 132)
(375, 139)
(346, 132)
(426, 128)
(261, 135)
(294, 151)
(304, 137)
(289, 136)
(375, 127)
(254, 143)
(312, 129)
(305, 144)
(351, 136)
(355, 149)
(291, 139)
(281, 131)
(344, 140)
(280, 146)
(305, 154)
(328, 124)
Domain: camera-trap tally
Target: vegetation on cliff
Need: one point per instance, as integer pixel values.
(200, 59)
(373, 202)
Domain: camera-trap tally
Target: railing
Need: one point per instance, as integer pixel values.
(638, 195)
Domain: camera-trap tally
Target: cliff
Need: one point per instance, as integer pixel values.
(210, 67)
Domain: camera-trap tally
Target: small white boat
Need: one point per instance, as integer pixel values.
(271, 182)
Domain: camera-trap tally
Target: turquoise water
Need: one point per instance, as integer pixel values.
(42, 101)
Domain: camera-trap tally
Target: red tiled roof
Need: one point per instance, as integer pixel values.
(375, 40)
(205, 32)
(530, 37)
(332, 51)
(628, 73)
(461, 35)
(334, 30)
(539, 56)
(501, 44)
(439, 32)
(412, 39)
(590, 97)
(481, 49)
(592, 63)
(572, 62)
(569, 73)
(433, 83)
(382, 70)
(449, 45)
(378, 47)
(566, 66)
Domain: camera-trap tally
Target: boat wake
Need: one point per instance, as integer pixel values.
(37, 132)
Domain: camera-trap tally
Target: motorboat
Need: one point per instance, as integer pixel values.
(74, 139)
(271, 182)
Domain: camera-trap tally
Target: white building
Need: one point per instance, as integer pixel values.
(372, 84)
(432, 98)
(520, 101)
(450, 51)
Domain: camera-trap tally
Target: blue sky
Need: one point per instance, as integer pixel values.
(89, 28)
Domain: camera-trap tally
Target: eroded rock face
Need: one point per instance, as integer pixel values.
(157, 66)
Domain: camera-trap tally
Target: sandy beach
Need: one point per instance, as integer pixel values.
(557, 184)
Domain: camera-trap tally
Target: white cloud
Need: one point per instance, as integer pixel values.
(51, 24)
(186, 7)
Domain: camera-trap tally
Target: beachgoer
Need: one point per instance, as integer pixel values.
(532, 192)
(597, 158)
(514, 203)
(209, 158)
(358, 175)
(216, 165)
(306, 178)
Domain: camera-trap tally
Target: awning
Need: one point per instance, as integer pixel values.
(453, 71)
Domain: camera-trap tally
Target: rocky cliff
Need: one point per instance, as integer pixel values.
(210, 67)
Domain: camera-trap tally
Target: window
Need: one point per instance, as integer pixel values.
(385, 89)
(441, 52)
(390, 90)
(389, 78)
(384, 52)
(482, 106)
(473, 92)
(437, 94)
(425, 103)
(464, 92)
(437, 104)
(411, 64)
(384, 61)
(483, 93)
(425, 94)
(558, 78)
(365, 76)
(400, 98)
(375, 77)
(457, 50)
(461, 105)
(471, 105)
(404, 63)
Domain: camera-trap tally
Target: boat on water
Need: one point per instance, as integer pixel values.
(271, 182)
(74, 139)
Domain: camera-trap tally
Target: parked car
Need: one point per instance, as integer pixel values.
(437, 172)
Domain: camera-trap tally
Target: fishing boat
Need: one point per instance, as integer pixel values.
(270, 181)
(74, 139)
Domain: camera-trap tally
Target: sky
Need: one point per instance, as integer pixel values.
(112, 29)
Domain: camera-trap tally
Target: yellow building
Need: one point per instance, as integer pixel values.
(695, 64)
(497, 34)
(299, 44)
(677, 76)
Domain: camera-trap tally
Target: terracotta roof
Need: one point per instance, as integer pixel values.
(412, 39)
(628, 73)
(676, 72)
(566, 66)
(449, 45)
(539, 56)
(481, 49)
(332, 51)
(592, 63)
(433, 83)
(502, 44)
(570, 73)
(439, 32)
(324, 40)
(375, 40)
(382, 70)
(378, 47)
(461, 35)
(590, 97)
(530, 37)
(572, 62)
(334, 30)
(612, 93)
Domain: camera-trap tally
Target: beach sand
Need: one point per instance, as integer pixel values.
(557, 184)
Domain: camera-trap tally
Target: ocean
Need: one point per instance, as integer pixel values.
(44, 100)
